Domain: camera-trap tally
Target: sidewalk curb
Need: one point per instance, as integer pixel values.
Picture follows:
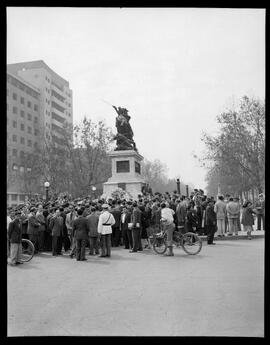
(228, 238)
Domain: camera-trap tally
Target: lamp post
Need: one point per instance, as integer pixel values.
(187, 191)
(47, 185)
(94, 190)
(178, 185)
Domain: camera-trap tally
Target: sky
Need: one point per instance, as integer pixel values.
(174, 69)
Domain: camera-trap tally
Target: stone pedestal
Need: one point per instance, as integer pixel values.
(126, 173)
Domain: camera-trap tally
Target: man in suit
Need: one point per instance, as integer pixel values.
(80, 231)
(41, 229)
(15, 238)
(260, 206)
(125, 219)
(211, 222)
(32, 229)
(115, 211)
(181, 214)
(56, 225)
(71, 216)
(105, 222)
(220, 210)
(92, 220)
(136, 228)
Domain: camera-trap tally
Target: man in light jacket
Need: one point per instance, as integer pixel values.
(220, 210)
(233, 209)
(105, 222)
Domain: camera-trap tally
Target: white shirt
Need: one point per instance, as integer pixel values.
(167, 214)
(123, 217)
(105, 218)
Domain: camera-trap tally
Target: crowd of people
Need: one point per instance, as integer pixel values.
(72, 226)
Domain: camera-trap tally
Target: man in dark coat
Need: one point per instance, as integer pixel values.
(125, 219)
(115, 211)
(92, 220)
(136, 221)
(32, 229)
(56, 225)
(80, 231)
(211, 221)
(15, 238)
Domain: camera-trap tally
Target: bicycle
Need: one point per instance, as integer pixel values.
(189, 241)
(28, 250)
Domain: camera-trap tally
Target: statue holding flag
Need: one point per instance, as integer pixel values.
(124, 136)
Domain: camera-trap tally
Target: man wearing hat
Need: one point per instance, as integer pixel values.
(105, 222)
(15, 238)
(259, 206)
(32, 229)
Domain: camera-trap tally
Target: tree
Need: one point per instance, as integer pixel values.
(237, 154)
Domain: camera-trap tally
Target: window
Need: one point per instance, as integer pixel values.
(22, 100)
(14, 196)
(36, 131)
(22, 140)
(35, 119)
(14, 96)
(21, 169)
(14, 110)
(35, 145)
(35, 107)
(29, 143)
(22, 154)
(29, 130)
(29, 104)
(14, 152)
(22, 113)
(22, 127)
(14, 138)
(14, 124)
(22, 197)
(29, 116)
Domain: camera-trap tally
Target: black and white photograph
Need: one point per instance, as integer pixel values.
(135, 183)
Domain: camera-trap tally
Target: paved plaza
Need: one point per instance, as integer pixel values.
(219, 292)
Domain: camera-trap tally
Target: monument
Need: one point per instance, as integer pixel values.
(125, 160)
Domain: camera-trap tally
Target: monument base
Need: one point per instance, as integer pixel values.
(126, 174)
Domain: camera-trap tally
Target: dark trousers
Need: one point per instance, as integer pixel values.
(260, 218)
(34, 239)
(106, 245)
(211, 229)
(47, 241)
(115, 236)
(59, 244)
(80, 249)
(93, 244)
(130, 239)
(136, 239)
(125, 238)
(41, 237)
(55, 245)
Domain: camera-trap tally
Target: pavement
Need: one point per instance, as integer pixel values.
(219, 292)
(242, 235)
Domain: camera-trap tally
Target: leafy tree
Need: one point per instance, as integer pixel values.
(237, 154)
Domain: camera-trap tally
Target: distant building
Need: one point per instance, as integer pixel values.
(39, 102)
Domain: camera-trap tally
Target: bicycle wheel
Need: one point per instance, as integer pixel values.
(160, 245)
(191, 243)
(28, 250)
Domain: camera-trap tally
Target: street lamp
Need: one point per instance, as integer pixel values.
(178, 186)
(93, 190)
(187, 190)
(47, 185)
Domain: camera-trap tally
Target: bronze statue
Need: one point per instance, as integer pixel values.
(124, 136)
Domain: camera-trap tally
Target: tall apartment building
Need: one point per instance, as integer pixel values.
(39, 102)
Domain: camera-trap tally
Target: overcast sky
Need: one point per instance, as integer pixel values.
(174, 69)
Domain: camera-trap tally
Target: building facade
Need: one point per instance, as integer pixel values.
(39, 105)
